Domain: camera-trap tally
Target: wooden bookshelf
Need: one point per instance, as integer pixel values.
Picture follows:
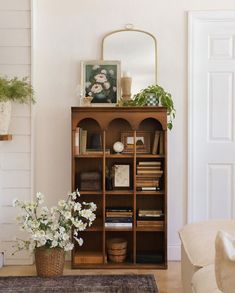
(110, 122)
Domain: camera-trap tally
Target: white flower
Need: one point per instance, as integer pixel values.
(52, 227)
(104, 71)
(111, 71)
(96, 88)
(40, 197)
(114, 89)
(69, 246)
(87, 84)
(54, 243)
(79, 241)
(100, 77)
(65, 237)
(77, 206)
(106, 85)
(90, 94)
(15, 202)
(62, 203)
(67, 215)
(95, 67)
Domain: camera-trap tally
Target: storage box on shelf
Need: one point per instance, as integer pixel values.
(130, 189)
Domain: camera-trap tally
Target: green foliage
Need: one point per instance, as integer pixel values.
(16, 90)
(164, 98)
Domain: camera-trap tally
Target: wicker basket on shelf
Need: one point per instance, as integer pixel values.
(117, 248)
(49, 261)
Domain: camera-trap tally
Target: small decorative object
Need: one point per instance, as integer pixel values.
(96, 141)
(163, 98)
(12, 90)
(117, 248)
(50, 230)
(142, 142)
(118, 147)
(109, 175)
(101, 81)
(121, 176)
(152, 100)
(86, 101)
(126, 81)
(90, 181)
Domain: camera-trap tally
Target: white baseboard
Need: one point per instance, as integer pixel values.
(174, 252)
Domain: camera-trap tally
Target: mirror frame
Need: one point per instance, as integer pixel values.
(132, 30)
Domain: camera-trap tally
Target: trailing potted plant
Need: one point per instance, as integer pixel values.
(13, 90)
(153, 95)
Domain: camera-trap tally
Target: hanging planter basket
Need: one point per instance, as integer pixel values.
(5, 117)
(49, 261)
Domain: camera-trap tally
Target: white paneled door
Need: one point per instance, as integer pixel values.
(211, 193)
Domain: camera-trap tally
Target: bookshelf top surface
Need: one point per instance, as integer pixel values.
(119, 109)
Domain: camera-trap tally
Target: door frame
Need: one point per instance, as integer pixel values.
(193, 18)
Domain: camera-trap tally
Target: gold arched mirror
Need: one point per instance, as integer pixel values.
(137, 51)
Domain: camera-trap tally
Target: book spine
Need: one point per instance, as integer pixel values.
(76, 142)
(83, 141)
(118, 220)
(112, 225)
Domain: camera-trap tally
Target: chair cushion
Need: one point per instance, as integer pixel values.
(203, 280)
(198, 239)
(225, 262)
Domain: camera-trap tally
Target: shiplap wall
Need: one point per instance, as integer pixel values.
(15, 155)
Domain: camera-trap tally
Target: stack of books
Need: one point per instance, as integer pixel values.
(119, 217)
(150, 218)
(148, 175)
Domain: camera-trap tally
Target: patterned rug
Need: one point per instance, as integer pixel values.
(83, 283)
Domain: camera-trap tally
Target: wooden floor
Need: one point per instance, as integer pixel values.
(168, 281)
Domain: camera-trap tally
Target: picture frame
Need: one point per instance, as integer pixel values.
(142, 142)
(122, 178)
(100, 80)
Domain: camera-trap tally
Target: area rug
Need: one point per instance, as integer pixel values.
(83, 283)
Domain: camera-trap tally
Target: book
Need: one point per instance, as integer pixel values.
(149, 167)
(152, 163)
(153, 212)
(96, 152)
(83, 140)
(150, 223)
(119, 209)
(118, 220)
(118, 225)
(88, 257)
(161, 143)
(150, 188)
(117, 214)
(76, 142)
(139, 172)
(156, 142)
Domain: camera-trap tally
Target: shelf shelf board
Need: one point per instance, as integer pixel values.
(149, 229)
(118, 229)
(99, 156)
(5, 137)
(160, 192)
(90, 192)
(120, 265)
(119, 192)
(119, 156)
(149, 156)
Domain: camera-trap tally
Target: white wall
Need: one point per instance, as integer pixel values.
(68, 31)
(15, 155)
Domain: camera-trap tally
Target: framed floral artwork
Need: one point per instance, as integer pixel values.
(101, 81)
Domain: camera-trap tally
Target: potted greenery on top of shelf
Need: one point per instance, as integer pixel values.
(162, 98)
(13, 90)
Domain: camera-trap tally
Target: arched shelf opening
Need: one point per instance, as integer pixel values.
(112, 135)
(91, 134)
